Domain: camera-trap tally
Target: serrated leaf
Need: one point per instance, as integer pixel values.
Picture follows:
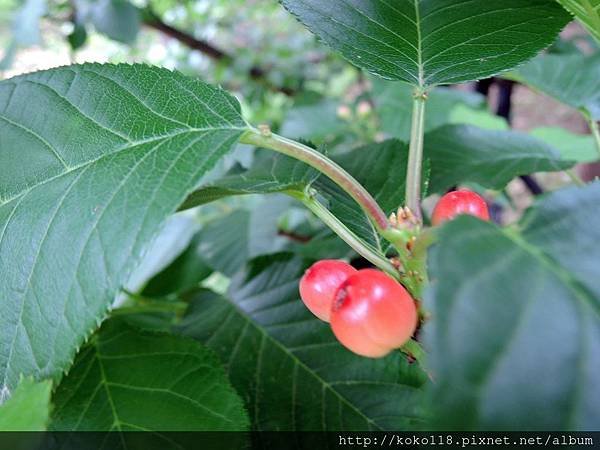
(28, 409)
(516, 320)
(287, 364)
(572, 79)
(131, 380)
(461, 153)
(430, 42)
(94, 159)
(587, 12)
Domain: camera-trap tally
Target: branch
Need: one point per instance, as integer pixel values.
(151, 20)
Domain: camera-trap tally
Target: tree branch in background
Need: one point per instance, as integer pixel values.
(151, 20)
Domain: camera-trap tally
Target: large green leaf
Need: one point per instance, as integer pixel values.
(464, 153)
(429, 42)
(573, 79)
(94, 159)
(287, 364)
(129, 380)
(587, 12)
(29, 407)
(515, 331)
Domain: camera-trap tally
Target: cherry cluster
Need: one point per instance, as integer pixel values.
(370, 313)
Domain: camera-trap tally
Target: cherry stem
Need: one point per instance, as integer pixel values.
(264, 138)
(357, 244)
(415, 155)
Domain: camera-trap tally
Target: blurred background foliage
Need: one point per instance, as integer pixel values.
(284, 77)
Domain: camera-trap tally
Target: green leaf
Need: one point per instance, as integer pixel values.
(571, 146)
(276, 174)
(378, 167)
(117, 19)
(130, 380)
(316, 121)
(28, 409)
(228, 242)
(587, 12)
(516, 319)
(94, 159)
(381, 169)
(572, 79)
(394, 102)
(287, 364)
(185, 272)
(460, 154)
(430, 42)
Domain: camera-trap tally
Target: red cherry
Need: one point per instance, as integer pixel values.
(373, 314)
(459, 202)
(319, 283)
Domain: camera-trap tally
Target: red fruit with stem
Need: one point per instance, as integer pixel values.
(319, 284)
(459, 202)
(373, 314)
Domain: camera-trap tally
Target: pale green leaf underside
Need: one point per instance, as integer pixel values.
(517, 320)
(430, 42)
(28, 409)
(93, 159)
(129, 380)
(572, 79)
(288, 365)
(587, 12)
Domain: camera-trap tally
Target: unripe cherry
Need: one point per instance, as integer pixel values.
(319, 284)
(373, 314)
(459, 202)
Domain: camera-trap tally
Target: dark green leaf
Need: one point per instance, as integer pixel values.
(460, 154)
(429, 42)
(277, 174)
(515, 331)
(184, 273)
(228, 242)
(129, 380)
(94, 159)
(77, 37)
(573, 79)
(28, 409)
(287, 364)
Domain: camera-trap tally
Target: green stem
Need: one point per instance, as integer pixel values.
(266, 139)
(415, 156)
(595, 132)
(345, 234)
